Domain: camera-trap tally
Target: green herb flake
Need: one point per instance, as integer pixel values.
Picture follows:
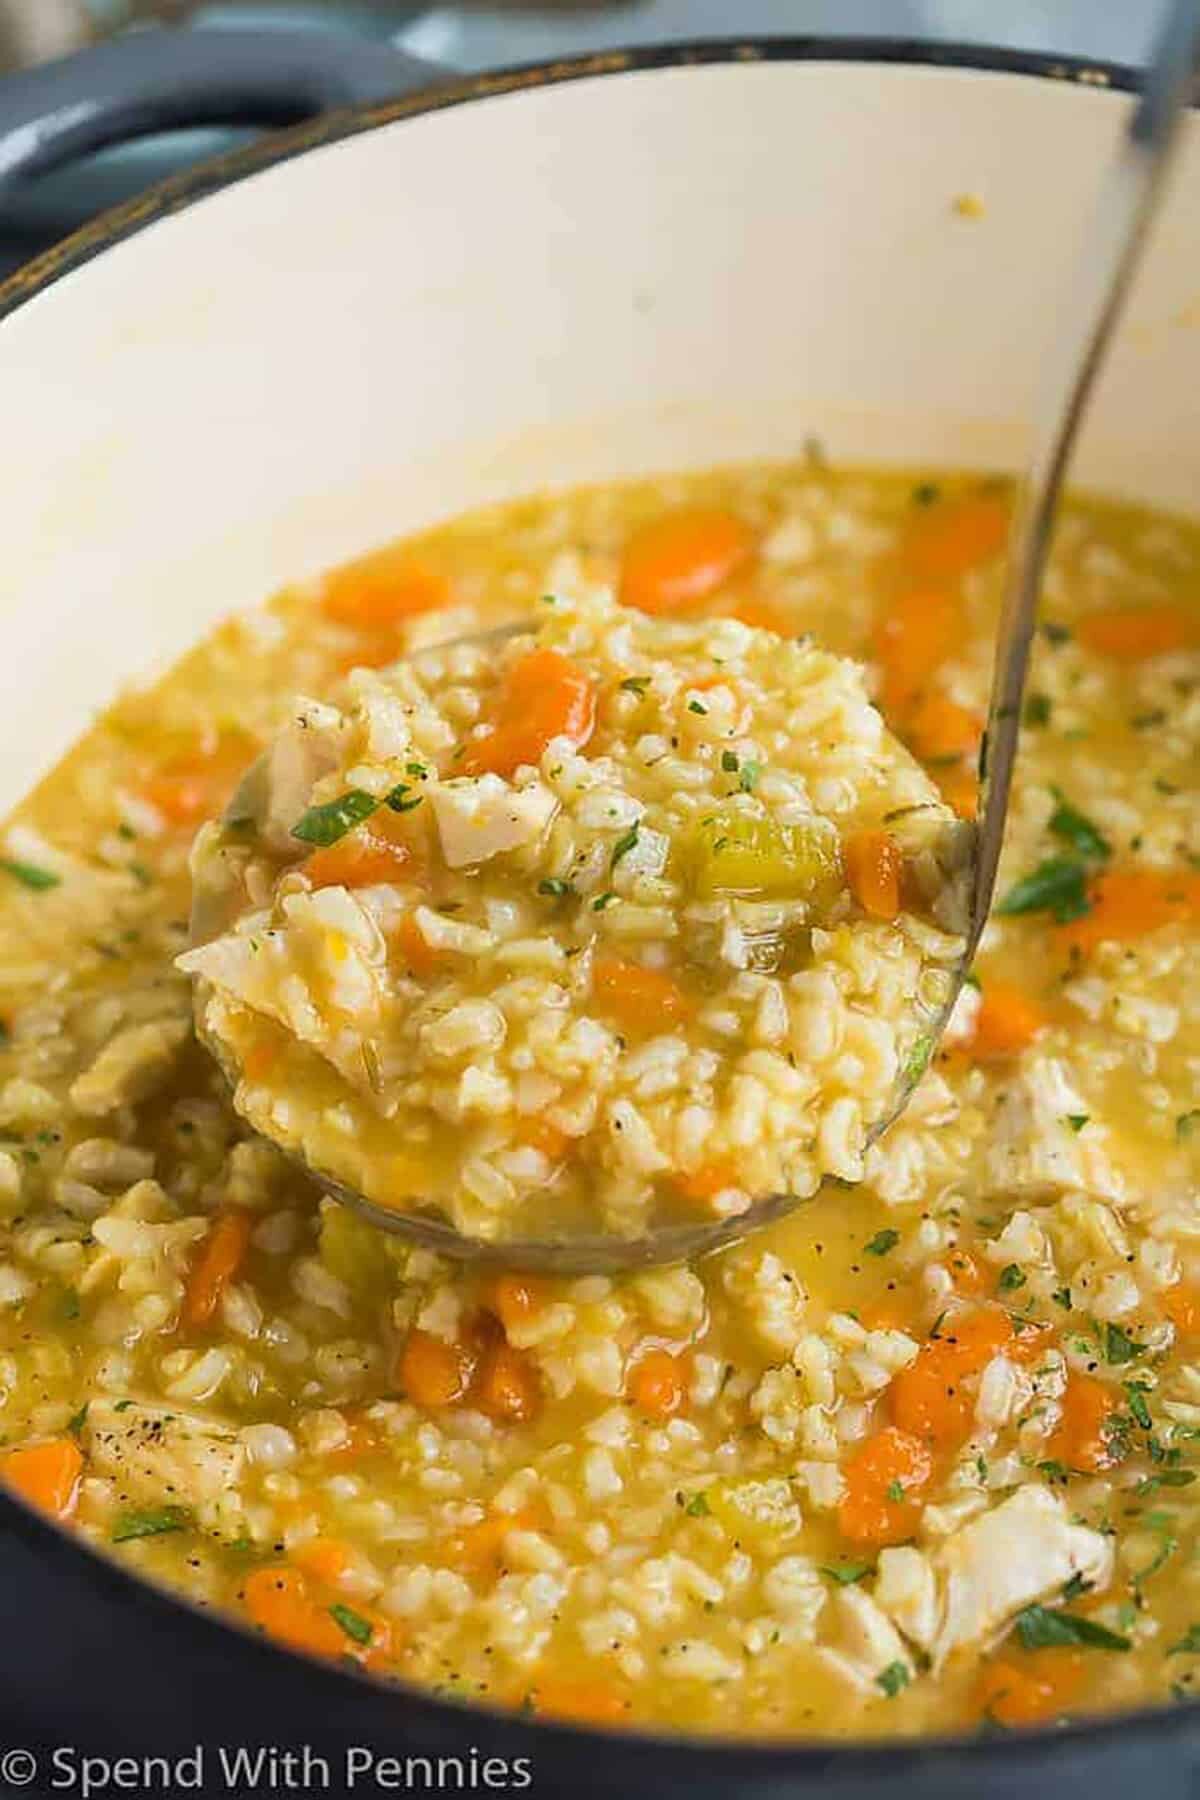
(846, 1574)
(1011, 1278)
(729, 761)
(154, 1522)
(603, 901)
(1054, 633)
(353, 1624)
(636, 684)
(1062, 1297)
(1040, 1628)
(925, 493)
(401, 799)
(893, 1679)
(1076, 1121)
(324, 825)
(1187, 1126)
(748, 778)
(697, 706)
(895, 1492)
(1075, 829)
(1188, 1644)
(697, 1506)
(1137, 1404)
(883, 1241)
(555, 886)
(1037, 710)
(68, 1309)
(77, 1421)
(917, 1060)
(624, 845)
(1058, 886)
(1119, 1347)
(28, 874)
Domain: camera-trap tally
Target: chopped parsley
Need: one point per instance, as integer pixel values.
(1187, 1125)
(1076, 1121)
(603, 900)
(917, 1060)
(1062, 1297)
(29, 874)
(401, 799)
(748, 778)
(895, 1491)
(636, 684)
(1054, 633)
(1058, 886)
(697, 1506)
(555, 886)
(1040, 1628)
(883, 1241)
(729, 761)
(77, 1421)
(624, 845)
(154, 1522)
(1188, 1644)
(1011, 1277)
(846, 1574)
(1119, 1347)
(352, 1623)
(1037, 710)
(893, 1679)
(1137, 1404)
(1076, 829)
(698, 706)
(324, 825)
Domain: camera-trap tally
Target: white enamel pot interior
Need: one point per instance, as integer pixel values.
(661, 267)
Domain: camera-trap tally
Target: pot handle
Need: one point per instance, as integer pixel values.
(164, 78)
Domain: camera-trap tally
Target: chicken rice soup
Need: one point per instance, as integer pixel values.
(922, 1456)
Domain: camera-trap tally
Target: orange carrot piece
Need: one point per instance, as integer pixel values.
(480, 1547)
(959, 788)
(46, 1475)
(587, 1702)
(1080, 1440)
(261, 1056)
(965, 1272)
(434, 1373)
(916, 634)
(928, 1398)
(658, 1383)
(419, 956)
(220, 1257)
(1013, 1693)
(883, 1479)
(378, 850)
(875, 869)
(709, 1180)
(515, 1299)
(544, 696)
(1181, 1303)
(325, 1559)
(1127, 904)
(1006, 1022)
(541, 1135)
(681, 558)
(949, 539)
(1134, 633)
(280, 1603)
(196, 783)
(937, 727)
(507, 1387)
(641, 999)
(379, 591)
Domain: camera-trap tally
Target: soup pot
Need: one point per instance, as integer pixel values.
(564, 274)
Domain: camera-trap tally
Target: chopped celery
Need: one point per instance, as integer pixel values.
(357, 1253)
(735, 852)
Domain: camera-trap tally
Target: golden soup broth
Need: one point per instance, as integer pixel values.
(689, 1498)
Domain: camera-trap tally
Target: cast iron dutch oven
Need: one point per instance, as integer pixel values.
(405, 307)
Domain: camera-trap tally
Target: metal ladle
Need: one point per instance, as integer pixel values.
(1112, 247)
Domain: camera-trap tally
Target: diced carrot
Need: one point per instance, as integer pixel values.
(434, 1373)
(378, 850)
(959, 788)
(937, 727)
(1181, 1303)
(587, 1702)
(658, 1383)
(280, 1602)
(325, 1559)
(1079, 1440)
(220, 1257)
(515, 1299)
(507, 1387)
(875, 870)
(45, 1474)
(883, 1480)
(1134, 633)
(377, 592)
(681, 558)
(948, 539)
(928, 1398)
(709, 1180)
(1006, 1022)
(196, 783)
(1015, 1693)
(417, 954)
(641, 999)
(1126, 904)
(480, 1547)
(918, 631)
(360, 1440)
(544, 696)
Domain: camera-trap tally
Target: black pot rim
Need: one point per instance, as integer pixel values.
(1033, 1752)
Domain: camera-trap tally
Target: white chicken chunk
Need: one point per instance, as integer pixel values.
(162, 1454)
(1023, 1551)
(867, 1644)
(1035, 1149)
(480, 816)
(131, 1066)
